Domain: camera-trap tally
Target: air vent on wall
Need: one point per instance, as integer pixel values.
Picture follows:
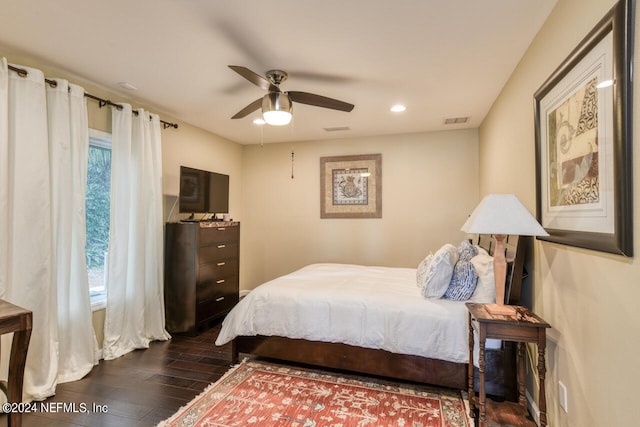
(456, 120)
(337, 128)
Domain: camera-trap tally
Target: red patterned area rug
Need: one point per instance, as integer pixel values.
(257, 393)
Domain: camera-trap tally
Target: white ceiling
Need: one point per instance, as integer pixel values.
(442, 58)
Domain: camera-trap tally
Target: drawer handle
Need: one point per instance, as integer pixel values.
(219, 299)
(219, 281)
(222, 246)
(220, 264)
(221, 228)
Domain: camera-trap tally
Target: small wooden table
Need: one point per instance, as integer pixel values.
(19, 321)
(522, 326)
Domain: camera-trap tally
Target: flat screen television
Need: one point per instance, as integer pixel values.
(203, 191)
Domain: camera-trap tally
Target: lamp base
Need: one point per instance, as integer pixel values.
(501, 310)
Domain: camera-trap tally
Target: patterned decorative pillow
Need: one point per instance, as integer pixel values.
(466, 251)
(464, 278)
(421, 274)
(440, 271)
(463, 283)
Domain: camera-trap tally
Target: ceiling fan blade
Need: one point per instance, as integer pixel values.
(320, 101)
(254, 78)
(248, 109)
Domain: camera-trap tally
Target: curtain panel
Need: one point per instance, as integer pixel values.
(42, 266)
(68, 152)
(135, 298)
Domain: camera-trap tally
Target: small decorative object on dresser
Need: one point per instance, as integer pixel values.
(201, 281)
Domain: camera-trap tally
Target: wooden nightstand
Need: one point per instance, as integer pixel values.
(522, 327)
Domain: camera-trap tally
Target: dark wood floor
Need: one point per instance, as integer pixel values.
(141, 388)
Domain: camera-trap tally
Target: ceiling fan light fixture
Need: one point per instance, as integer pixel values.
(276, 109)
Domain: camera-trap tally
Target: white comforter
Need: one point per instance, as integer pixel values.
(373, 307)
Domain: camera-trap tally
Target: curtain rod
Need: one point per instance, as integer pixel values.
(101, 102)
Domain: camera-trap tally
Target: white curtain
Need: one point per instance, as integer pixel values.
(135, 302)
(42, 260)
(69, 147)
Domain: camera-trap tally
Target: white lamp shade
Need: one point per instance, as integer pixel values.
(502, 214)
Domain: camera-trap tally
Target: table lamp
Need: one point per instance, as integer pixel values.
(502, 215)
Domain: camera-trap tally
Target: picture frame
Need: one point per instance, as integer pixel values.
(351, 186)
(583, 141)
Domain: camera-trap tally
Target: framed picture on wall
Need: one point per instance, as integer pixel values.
(583, 141)
(351, 186)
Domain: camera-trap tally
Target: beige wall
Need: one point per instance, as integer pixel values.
(429, 186)
(588, 297)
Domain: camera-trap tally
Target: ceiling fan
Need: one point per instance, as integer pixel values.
(276, 105)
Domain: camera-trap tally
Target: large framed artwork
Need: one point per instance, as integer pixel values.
(351, 186)
(583, 118)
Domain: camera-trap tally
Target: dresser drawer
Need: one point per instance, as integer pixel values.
(209, 235)
(219, 300)
(217, 251)
(227, 287)
(214, 271)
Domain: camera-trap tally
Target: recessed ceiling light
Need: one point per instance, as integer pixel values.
(259, 121)
(127, 85)
(398, 108)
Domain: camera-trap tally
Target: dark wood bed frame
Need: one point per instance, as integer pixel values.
(500, 378)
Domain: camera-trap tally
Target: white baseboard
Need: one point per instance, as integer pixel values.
(244, 293)
(533, 408)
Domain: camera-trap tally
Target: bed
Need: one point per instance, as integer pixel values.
(370, 320)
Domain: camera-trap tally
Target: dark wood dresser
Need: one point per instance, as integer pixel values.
(201, 281)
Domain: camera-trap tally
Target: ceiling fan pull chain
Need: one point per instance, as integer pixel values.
(292, 154)
(261, 136)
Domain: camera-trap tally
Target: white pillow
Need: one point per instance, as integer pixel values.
(486, 288)
(481, 250)
(421, 274)
(440, 271)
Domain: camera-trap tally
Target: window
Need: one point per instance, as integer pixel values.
(98, 206)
